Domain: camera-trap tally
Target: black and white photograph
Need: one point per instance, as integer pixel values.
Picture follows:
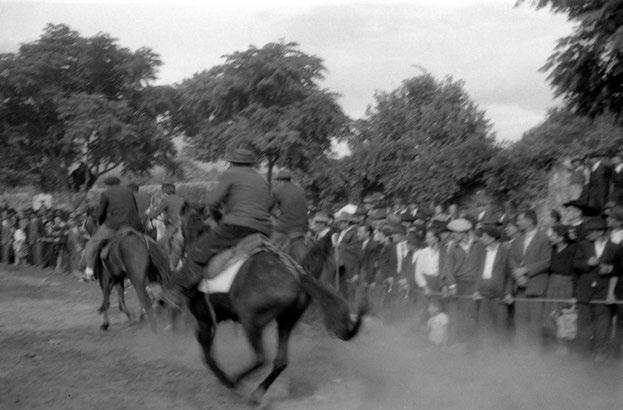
(329, 204)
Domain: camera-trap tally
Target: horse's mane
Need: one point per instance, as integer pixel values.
(316, 258)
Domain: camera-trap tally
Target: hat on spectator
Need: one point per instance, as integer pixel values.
(460, 225)
(241, 156)
(346, 217)
(376, 214)
(491, 230)
(321, 217)
(594, 223)
(393, 219)
(398, 229)
(112, 181)
(617, 213)
(585, 208)
(284, 175)
(439, 226)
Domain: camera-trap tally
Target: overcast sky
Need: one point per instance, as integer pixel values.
(371, 45)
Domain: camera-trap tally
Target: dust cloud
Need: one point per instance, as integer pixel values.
(394, 367)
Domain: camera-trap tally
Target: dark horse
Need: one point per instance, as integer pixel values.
(131, 255)
(265, 290)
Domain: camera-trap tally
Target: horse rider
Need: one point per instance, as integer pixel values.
(117, 208)
(245, 198)
(291, 216)
(170, 206)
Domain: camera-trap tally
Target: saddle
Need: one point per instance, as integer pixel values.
(220, 273)
(106, 245)
(248, 246)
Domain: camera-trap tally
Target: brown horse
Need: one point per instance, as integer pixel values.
(264, 290)
(134, 256)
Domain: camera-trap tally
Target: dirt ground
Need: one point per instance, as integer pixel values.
(53, 355)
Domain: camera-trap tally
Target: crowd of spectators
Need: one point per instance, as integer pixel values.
(44, 237)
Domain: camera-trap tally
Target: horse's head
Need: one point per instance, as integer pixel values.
(90, 222)
(193, 225)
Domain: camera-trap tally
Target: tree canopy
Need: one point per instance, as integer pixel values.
(586, 67)
(267, 99)
(67, 99)
(426, 140)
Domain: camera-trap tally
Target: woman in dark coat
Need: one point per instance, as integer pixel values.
(561, 280)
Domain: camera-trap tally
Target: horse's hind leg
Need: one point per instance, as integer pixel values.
(285, 323)
(121, 297)
(145, 302)
(254, 334)
(106, 285)
(206, 332)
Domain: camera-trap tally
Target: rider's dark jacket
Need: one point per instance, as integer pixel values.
(118, 208)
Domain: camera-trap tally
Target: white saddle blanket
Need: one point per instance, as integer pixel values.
(222, 282)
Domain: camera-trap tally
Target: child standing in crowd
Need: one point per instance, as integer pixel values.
(20, 246)
(437, 324)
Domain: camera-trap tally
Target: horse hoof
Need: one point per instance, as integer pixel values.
(104, 326)
(257, 396)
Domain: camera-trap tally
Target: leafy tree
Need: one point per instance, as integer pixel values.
(265, 98)
(67, 99)
(519, 172)
(586, 67)
(425, 141)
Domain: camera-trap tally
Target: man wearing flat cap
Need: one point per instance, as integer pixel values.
(117, 208)
(597, 263)
(243, 197)
(461, 272)
(290, 210)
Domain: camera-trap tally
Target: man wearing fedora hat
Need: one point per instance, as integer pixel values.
(290, 209)
(597, 263)
(117, 208)
(461, 273)
(243, 197)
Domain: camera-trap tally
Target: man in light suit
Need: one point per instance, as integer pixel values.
(530, 259)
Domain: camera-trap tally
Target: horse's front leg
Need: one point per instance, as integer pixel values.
(106, 285)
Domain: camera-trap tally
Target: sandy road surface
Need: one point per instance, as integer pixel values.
(53, 355)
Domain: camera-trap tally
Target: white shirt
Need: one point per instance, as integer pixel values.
(616, 236)
(322, 233)
(426, 262)
(487, 272)
(343, 234)
(364, 244)
(618, 168)
(401, 252)
(19, 235)
(467, 245)
(600, 245)
(595, 166)
(528, 239)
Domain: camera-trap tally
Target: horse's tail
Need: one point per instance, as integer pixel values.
(337, 317)
(159, 260)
